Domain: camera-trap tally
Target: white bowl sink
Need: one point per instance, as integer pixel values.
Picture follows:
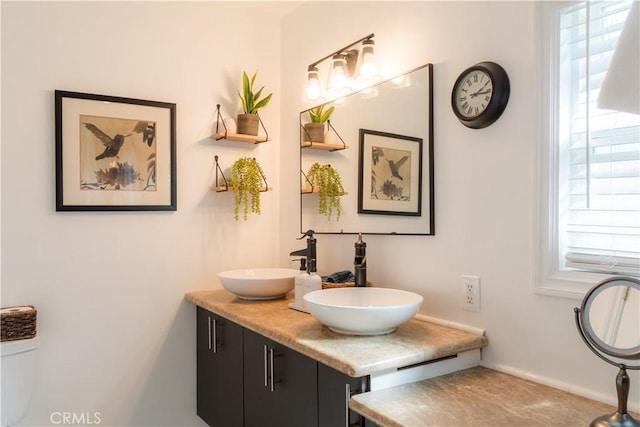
(363, 311)
(258, 283)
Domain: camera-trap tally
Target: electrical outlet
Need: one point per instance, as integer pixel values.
(471, 292)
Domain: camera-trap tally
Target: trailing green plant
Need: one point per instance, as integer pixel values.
(327, 181)
(247, 178)
(251, 101)
(320, 115)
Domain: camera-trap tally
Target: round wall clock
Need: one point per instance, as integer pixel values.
(480, 94)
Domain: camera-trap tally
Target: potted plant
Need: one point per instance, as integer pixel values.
(251, 103)
(319, 116)
(247, 178)
(326, 181)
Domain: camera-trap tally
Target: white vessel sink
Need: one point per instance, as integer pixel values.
(363, 311)
(258, 283)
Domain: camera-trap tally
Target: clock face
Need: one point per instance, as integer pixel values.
(473, 93)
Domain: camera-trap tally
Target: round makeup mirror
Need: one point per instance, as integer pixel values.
(609, 323)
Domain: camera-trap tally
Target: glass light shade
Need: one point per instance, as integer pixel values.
(368, 93)
(368, 67)
(401, 82)
(313, 91)
(338, 74)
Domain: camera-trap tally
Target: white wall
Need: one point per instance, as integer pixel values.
(117, 336)
(484, 180)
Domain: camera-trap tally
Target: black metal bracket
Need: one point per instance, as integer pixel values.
(219, 171)
(306, 178)
(227, 183)
(344, 146)
(220, 119)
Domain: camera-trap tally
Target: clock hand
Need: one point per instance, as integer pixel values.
(479, 92)
(473, 95)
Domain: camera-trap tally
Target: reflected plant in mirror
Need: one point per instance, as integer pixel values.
(327, 183)
(319, 116)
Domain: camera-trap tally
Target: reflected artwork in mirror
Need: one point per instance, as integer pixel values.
(609, 324)
(399, 112)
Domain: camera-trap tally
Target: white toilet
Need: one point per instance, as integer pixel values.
(17, 369)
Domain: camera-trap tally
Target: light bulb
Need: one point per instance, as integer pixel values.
(313, 85)
(338, 79)
(368, 66)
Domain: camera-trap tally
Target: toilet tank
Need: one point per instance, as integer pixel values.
(17, 370)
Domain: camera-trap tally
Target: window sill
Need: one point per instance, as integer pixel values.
(568, 283)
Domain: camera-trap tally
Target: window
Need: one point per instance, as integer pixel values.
(589, 164)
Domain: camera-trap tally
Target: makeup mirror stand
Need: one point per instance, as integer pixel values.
(620, 418)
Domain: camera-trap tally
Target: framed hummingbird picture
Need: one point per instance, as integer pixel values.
(390, 174)
(114, 153)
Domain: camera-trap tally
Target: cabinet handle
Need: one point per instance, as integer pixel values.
(209, 330)
(347, 396)
(273, 387)
(215, 337)
(266, 374)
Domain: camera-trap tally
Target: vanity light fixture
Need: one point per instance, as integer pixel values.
(352, 68)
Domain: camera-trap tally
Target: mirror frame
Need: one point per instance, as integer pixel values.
(428, 149)
(632, 353)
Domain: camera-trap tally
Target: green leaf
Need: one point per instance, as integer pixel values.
(263, 102)
(325, 116)
(251, 100)
(244, 104)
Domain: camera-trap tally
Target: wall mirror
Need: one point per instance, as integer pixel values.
(609, 323)
(380, 140)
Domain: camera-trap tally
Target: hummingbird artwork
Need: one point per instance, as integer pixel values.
(112, 145)
(395, 167)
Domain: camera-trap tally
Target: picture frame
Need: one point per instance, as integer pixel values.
(389, 174)
(114, 153)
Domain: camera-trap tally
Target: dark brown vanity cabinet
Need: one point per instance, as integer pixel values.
(219, 369)
(248, 380)
(334, 391)
(280, 385)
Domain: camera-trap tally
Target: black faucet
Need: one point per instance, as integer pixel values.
(360, 262)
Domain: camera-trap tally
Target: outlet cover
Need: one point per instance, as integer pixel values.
(471, 293)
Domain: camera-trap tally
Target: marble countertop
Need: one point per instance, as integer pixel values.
(413, 342)
(476, 397)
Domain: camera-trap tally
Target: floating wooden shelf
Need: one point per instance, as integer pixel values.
(323, 146)
(239, 137)
(222, 188)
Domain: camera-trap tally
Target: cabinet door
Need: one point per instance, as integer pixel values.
(219, 370)
(334, 391)
(280, 385)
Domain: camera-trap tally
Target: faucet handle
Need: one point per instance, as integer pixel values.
(299, 252)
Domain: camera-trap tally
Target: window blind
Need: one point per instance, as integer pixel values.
(600, 149)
